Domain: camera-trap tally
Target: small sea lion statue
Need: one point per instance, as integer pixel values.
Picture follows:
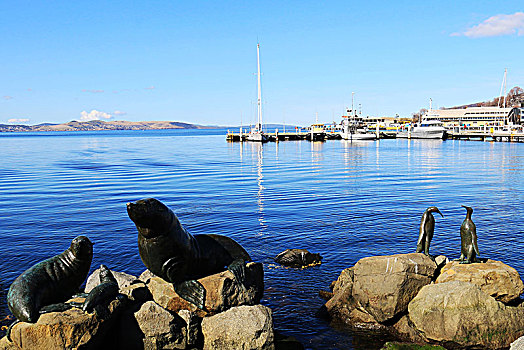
(103, 293)
(298, 258)
(468, 239)
(170, 252)
(427, 227)
(45, 286)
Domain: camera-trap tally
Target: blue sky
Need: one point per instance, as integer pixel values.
(194, 61)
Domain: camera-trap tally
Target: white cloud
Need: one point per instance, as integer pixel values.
(496, 26)
(150, 88)
(93, 91)
(18, 120)
(119, 113)
(7, 97)
(94, 115)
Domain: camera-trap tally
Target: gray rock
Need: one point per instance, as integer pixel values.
(193, 326)
(161, 328)
(146, 276)
(242, 327)
(137, 291)
(123, 279)
(460, 313)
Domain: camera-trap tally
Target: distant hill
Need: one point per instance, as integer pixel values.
(95, 125)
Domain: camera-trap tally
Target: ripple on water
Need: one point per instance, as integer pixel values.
(343, 200)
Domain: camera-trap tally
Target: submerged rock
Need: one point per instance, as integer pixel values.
(461, 314)
(494, 278)
(242, 327)
(298, 258)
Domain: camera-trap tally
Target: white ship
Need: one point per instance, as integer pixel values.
(426, 129)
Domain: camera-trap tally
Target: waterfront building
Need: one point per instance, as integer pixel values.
(476, 117)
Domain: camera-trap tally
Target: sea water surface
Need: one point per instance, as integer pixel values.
(343, 200)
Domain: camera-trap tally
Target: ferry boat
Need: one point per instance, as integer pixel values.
(426, 129)
(317, 132)
(353, 130)
(256, 134)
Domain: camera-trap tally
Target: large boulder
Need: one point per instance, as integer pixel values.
(383, 286)
(460, 314)
(223, 291)
(242, 327)
(161, 329)
(123, 279)
(69, 329)
(493, 277)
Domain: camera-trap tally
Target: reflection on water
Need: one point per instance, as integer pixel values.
(345, 200)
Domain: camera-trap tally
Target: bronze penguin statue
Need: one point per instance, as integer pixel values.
(427, 227)
(468, 239)
(170, 252)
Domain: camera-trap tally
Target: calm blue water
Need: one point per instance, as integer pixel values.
(343, 200)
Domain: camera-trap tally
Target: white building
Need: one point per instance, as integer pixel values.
(476, 117)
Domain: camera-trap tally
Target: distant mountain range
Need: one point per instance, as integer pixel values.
(95, 125)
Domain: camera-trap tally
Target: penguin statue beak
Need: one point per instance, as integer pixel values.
(438, 211)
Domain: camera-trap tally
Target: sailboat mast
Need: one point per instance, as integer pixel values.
(259, 112)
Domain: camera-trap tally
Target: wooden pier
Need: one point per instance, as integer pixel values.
(507, 136)
(475, 135)
(281, 136)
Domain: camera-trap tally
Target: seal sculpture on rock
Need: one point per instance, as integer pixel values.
(298, 258)
(427, 227)
(468, 239)
(170, 252)
(106, 291)
(50, 281)
(45, 286)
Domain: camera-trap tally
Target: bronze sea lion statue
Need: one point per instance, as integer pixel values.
(468, 239)
(106, 291)
(427, 227)
(170, 252)
(43, 286)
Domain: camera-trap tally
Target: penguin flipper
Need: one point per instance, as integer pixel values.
(474, 239)
(192, 291)
(238, 268)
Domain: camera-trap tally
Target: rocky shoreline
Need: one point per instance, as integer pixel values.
(148, 314)
(426, 301)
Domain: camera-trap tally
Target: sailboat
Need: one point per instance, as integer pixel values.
(256, 134)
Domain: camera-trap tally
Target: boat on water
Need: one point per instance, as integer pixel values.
(317, 132)
(352, 130)
(426, 129)
(256, 134)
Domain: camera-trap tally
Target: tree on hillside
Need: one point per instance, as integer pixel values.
(515, 96)
(418, 115)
